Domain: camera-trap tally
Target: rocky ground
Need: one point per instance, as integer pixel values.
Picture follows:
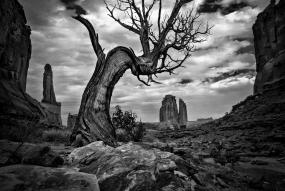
(244, 150)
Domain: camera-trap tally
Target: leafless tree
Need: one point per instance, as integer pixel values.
(173, 34)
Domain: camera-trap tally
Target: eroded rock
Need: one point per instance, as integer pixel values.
(269, 43)
(49, 102)
(168, 111)
(183, 118)
(15, 53)
(29, 177)
(132, 167)
(27, 153)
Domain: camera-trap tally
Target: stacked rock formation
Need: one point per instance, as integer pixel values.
(169, 113)
(182, 113)
(49, 102)
(48, 92)
(15, 53)
(269, 43)
(71, 119)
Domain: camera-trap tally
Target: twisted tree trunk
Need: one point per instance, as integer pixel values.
(93, 121)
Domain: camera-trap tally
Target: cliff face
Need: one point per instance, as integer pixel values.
(15, 43)
(267, 107)
(15, 52)
(269, 43)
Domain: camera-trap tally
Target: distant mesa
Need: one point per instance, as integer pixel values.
(49, 102)
(269, 38)
(169, 113)
(205, 119)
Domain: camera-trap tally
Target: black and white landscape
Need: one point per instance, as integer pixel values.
(142, 95)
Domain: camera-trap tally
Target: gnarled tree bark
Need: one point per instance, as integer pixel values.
(93, 121)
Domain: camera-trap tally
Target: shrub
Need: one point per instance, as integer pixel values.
(127, 129)
(56, 135)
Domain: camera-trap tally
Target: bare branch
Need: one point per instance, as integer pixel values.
(129, 27)
(178, 32)
(93, 37)
(159, 17)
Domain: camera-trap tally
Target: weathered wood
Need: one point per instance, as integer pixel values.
(93, 121)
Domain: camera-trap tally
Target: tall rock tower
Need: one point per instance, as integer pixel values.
(169, 114)
(48, 90)
(182, 114)
(168, 111)
(49, 101)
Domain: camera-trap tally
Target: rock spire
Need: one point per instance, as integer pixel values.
(48, 90)
(169, 113)
(182, 113)
(49, 102)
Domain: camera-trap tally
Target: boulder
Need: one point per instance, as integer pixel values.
(27, 153)
(269, 43)
(132, 167)
(30, 177)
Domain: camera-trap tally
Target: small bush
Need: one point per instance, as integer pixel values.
(56, 135)
(127, 129)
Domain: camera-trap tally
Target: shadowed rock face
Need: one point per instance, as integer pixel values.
(15, 53)
(49, 102)
(182, 113)
(48, 90)
(27, 153)
(15, 43)
(269, 43)
(168, 110)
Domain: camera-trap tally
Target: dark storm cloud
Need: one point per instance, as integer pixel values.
(72, 5)
(222, 76)
(81, 7)
(247, 49)
(232, 7)
(185, 81)
(212, 6)
(40, 13)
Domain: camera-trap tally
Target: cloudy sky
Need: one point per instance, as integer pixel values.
(218, 75)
